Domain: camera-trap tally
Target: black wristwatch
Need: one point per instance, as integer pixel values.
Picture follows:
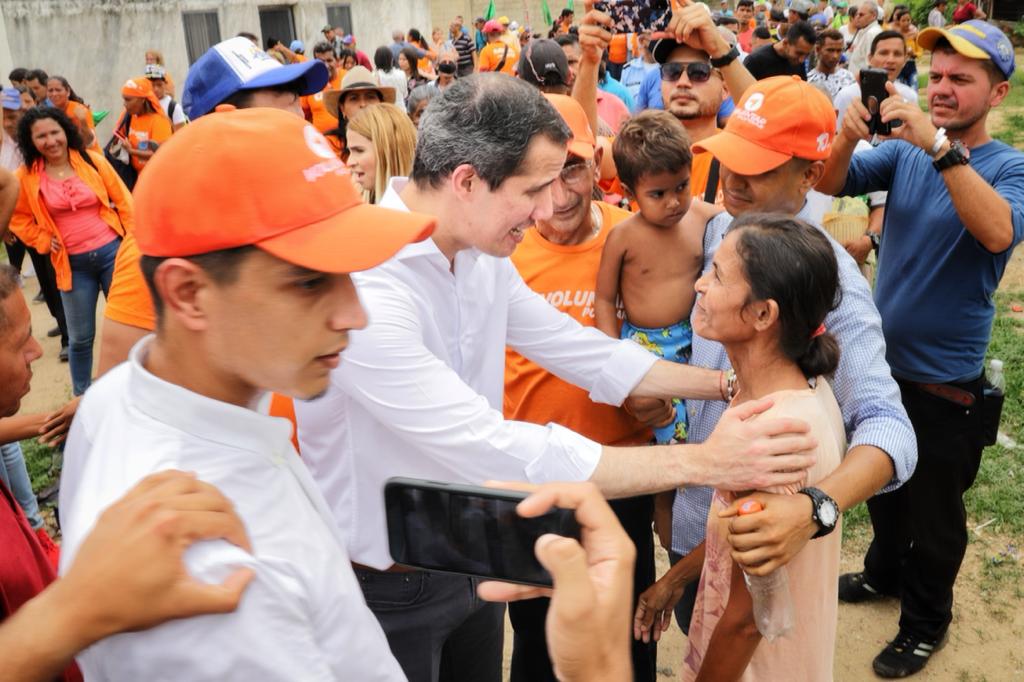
(958, 155)
(825, 511)
(726, 59)
(876, 240)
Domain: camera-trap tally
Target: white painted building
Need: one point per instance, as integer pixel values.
(98, 44)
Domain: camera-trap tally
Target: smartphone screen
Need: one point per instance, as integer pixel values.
(635, 16)
(469, 530)
(872, 93)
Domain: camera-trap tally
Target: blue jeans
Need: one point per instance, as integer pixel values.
(90, 272)
(15, 476)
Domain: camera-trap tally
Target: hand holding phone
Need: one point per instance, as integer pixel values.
(593, 584)
(872, 93)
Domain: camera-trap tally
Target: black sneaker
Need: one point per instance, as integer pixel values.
(855, 588)
(906, 655)
(63, 355)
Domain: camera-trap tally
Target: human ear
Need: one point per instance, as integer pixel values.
(181, 285)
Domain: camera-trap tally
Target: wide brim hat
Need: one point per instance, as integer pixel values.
(357, 78)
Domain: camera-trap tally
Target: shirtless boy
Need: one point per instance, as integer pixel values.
(653, 259)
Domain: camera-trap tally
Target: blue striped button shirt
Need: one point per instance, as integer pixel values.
(867, 394)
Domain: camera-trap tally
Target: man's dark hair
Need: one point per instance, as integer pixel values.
(9, 284)
(250, 36)
(763, 33)
(886, 35)
(488, 121)
(777, 15)
(28, 148)
(18, 74)
(745, 3)
(829, 34)
(564, 39)
(801, 29)
(727, 19)
(323, 47)
(995, 76)
(792, 263)
(37, 75)
(222, 267)
(384, 59)
(566, 12)
(653, 141)
(242, 99)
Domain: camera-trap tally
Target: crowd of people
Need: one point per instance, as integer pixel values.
(615, 270)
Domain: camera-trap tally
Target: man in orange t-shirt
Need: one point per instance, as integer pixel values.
(559, 260)
(313, 106)
(497, 55)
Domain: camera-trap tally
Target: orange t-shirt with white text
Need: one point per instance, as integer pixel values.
(566, 276)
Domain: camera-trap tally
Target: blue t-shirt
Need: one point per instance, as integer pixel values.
(935, 282)
(614, 87)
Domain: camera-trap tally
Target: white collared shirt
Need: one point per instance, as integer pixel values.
(303, 617)
(419, 391)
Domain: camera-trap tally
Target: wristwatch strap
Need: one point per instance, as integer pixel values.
(726, 59)
(817, 498)
(954, 157)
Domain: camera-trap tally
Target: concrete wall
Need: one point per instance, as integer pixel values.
(98, 44)
(526, 12)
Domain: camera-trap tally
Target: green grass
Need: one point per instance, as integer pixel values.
(39, 460)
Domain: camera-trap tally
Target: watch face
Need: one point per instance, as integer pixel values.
(827, 513)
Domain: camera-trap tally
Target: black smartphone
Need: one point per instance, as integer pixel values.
(872, 93)
(636, 16)
(469, 530)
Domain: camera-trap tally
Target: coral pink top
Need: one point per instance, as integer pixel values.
(805, 653)
(75, 210)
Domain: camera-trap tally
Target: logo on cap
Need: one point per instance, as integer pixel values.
(317, 143)
(823, 141)
(754, 102)
(1003, 47)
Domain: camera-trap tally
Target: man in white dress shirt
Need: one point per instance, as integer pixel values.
(420, 391)
(238, 269)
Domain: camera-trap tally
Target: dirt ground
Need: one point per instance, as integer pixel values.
(988, 627)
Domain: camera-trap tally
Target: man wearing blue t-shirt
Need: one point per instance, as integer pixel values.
(955, 212)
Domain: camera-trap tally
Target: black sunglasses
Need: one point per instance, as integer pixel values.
(696, 72)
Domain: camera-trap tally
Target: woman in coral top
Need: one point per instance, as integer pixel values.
(773, 281)
(72, 205)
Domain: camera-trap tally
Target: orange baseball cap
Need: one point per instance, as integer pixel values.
(141, 86)
(777, 119)
(265, 178)
(583, 141)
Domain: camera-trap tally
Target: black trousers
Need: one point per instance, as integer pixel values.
(530, 659)
(436, 625)
(921, 528)
(47, 278)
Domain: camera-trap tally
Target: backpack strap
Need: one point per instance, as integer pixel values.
(711, 189)
(501, 64)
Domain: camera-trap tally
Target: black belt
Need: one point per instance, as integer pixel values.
(946, 392)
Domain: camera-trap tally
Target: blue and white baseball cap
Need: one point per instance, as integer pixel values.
(975, 39)
(10, 98)
(236, 64)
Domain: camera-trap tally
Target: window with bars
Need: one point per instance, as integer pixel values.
(202, 31)
(277, 22)
(340, 15)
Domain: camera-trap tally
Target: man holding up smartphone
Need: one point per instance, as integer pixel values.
(420, 391)
(955, 212)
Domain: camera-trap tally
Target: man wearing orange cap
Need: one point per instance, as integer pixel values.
(143, 126)
(420, 392)
(772, 152)
(231, 289)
